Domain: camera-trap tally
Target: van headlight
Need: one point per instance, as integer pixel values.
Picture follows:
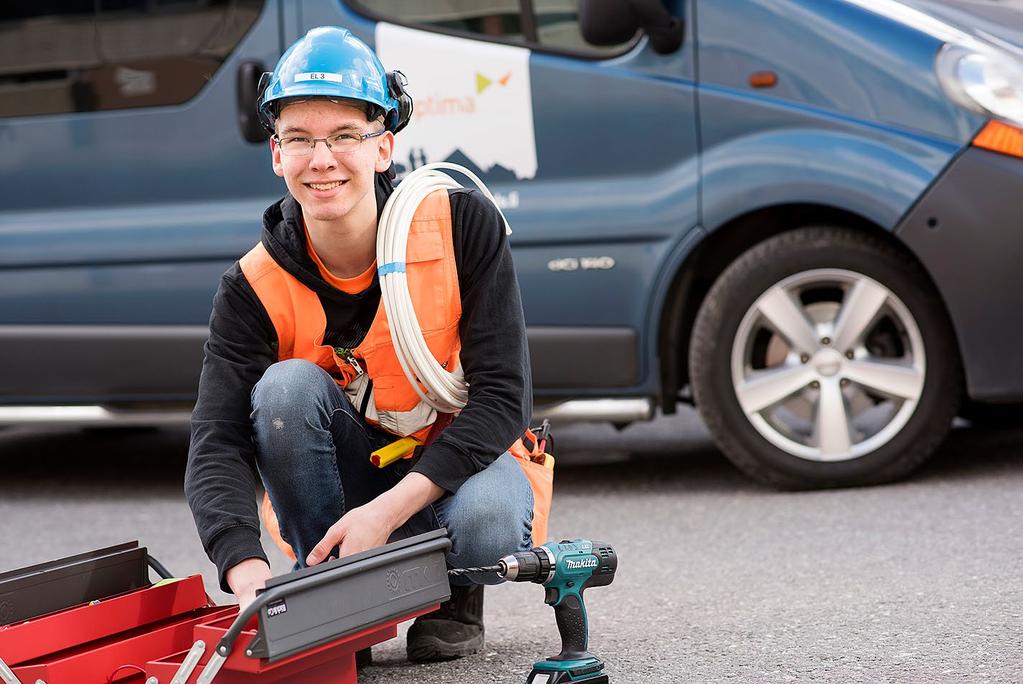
(984, 80)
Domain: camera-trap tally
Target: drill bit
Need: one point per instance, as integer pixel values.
(458, 572)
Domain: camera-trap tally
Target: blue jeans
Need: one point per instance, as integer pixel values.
(312, 452)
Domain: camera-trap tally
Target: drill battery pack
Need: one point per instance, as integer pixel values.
(560, 672)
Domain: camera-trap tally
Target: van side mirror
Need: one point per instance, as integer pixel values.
(612, 22)
(249, 88)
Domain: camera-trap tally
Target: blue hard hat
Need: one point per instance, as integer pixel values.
(330, 62)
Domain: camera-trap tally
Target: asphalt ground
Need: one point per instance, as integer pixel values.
(720, 580)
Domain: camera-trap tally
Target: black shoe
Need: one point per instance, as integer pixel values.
(452, 631)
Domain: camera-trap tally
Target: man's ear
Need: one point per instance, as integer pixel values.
(385, 150)
(275, 154)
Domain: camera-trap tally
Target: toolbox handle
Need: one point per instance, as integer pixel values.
(325, 577)
(7, 675)
(159, 567)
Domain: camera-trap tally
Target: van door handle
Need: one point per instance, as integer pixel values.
(249, 74)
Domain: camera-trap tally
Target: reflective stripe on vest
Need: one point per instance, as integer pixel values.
(300, 322)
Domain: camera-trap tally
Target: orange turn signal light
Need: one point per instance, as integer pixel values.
(763, 79)
(1000, 137)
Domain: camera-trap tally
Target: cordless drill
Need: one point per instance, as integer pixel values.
(566, 569)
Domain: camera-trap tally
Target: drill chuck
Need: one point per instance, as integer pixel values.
(535, 565)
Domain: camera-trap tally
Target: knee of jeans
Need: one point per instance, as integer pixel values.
(486, 530)
(289, 388)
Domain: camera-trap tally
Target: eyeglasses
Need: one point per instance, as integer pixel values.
(342, 143)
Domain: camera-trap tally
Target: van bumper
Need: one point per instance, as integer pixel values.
(967, 230)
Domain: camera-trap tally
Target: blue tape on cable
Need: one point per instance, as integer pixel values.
(393, 267)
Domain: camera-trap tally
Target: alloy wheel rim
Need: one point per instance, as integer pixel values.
(828, 365)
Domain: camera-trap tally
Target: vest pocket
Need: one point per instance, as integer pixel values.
(426, 246)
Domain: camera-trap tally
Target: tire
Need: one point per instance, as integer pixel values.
(867, 407)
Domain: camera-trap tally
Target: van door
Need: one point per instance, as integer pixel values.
(591, 151)
(129, 187)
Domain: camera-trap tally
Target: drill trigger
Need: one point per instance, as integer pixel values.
(551, 596)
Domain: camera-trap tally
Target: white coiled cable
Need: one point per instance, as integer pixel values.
(446, 392)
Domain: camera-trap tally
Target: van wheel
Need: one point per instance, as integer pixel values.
(823, 357)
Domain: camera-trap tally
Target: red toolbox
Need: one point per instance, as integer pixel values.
(305, 627)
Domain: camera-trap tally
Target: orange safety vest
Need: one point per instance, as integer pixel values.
(300, 322)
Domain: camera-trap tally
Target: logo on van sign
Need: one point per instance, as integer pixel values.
(276, 608)
(483, 82)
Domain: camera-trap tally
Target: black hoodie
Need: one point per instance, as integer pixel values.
(220, 480)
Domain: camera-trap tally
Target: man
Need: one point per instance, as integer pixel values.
(298, 324)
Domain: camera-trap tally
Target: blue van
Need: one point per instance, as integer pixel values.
(802, 215)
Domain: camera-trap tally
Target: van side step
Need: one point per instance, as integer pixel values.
(86, 416)
(572, 411)
(596, 410)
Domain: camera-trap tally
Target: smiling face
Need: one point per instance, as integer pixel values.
(332, 186)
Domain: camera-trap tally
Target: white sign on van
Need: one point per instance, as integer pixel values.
(471, 98)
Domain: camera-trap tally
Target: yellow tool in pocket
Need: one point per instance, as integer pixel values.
(395, 451)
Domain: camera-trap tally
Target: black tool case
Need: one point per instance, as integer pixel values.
(317, 604)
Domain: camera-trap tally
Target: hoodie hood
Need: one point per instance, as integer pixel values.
(285, 240)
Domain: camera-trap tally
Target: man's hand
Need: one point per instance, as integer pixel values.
(362, 528)
(245, 578)
(369, 526)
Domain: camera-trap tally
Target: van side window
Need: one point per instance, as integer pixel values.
(93, 55)
(557, 27)
(491, 18)
(550, 24)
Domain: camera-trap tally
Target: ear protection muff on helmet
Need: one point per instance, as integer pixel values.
(396, 83)
(261, 113)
